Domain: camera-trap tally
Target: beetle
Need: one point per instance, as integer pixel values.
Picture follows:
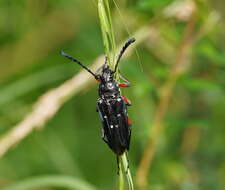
(111, 105)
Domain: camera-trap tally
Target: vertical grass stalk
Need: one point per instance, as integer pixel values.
(110, 51)
(126, 170)
(107, 31)
(121, 177)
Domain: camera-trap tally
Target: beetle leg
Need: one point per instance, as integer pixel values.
(104, 138)
(118, 165)
(126, 100)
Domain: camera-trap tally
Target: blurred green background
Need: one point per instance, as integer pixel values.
(191, 147)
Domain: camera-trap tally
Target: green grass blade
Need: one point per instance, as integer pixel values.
(126, 170)
(66, 182)
(107, 31)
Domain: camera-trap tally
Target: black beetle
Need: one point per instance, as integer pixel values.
(111, 106)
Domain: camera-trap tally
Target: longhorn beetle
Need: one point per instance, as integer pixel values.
(111, 106)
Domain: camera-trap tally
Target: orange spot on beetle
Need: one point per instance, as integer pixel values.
(129, 121)
(123, 85)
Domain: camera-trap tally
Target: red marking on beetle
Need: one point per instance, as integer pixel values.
(126, 100)
(123, 85)
(129, 121)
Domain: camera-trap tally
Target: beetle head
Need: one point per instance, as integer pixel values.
(107, 73)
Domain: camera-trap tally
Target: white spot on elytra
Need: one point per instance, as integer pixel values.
(118, 115)
(116, 126)
(118, 99)
(111, 126)
(105, 116)
(110, 85)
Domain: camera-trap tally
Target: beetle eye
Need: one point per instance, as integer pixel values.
(98, 78)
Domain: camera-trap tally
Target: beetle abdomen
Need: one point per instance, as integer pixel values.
(116, 129)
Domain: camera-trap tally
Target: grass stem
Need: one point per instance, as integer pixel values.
(110, 50)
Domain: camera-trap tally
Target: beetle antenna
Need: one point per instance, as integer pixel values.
(106, 60)
(78, 62)
(126, 45)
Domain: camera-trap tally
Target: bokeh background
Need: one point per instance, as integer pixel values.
(178, 91)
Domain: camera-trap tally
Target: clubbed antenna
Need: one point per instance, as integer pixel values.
(126, 45)
(78, 62)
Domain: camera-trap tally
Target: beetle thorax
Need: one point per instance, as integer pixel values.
(108, 86)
